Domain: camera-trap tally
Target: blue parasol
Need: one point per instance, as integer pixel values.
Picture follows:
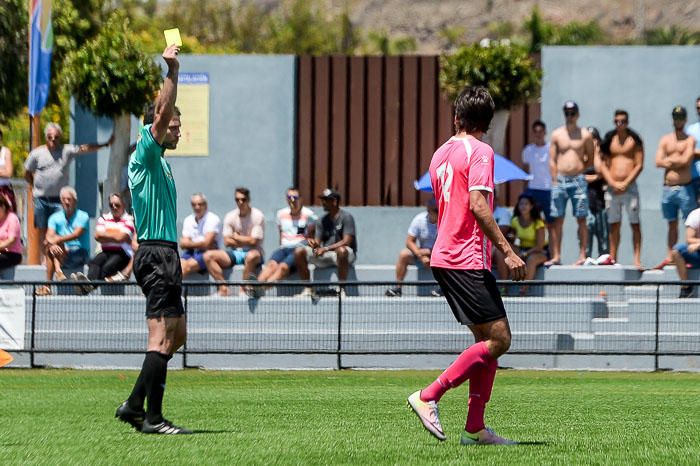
(504, 171)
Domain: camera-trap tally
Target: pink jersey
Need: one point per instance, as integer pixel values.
(459, 166)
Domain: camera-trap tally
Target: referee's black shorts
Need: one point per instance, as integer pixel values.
(158, 273)
(472, 295)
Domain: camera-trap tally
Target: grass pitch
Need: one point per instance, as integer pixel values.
(66, 417)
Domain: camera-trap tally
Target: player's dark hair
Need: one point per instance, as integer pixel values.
(539, 123)
(619, 112)
(292, 188)
(244, 191)
(5, 202)
(535, 212)
(474, 109)
(149, 113)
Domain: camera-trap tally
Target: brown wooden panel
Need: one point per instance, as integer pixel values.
(375, 94)
(368, 126)
(356, 151)
(304, 165)
(409, 130)
(429, 93)
(445, 128)
(339, 124)
(322, 71)
(392, 120)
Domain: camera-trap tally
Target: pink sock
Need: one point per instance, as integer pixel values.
(480, 387)
(473, 358)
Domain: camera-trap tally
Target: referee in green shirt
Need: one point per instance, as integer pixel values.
(157, 264)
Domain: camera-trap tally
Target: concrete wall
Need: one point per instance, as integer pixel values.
(252, 130)
(252, 118)
(647, 82)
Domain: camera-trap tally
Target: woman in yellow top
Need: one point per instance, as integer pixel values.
(529, 229)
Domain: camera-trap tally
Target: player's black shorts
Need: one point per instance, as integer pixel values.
(472, 295)
(158, 273)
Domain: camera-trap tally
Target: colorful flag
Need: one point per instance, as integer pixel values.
(41, 46)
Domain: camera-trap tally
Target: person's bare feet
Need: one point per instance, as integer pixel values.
(552, 261)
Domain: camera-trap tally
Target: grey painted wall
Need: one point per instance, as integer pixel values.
(252, 118)
(647, 82)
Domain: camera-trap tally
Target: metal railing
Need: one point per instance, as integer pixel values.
(546, 318)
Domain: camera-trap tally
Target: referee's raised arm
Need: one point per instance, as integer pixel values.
(165, 104)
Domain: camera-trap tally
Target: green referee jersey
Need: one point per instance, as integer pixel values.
(153, 192)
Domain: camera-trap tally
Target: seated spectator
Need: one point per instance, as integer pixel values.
(201, 232)
(335, 243)
(688, 254)
(6, 172)
(67, 239)
(419, 244)
(530, 238)
(244, 229)
(502, 216)
(10, 240)
(115, 233)
(296, 223)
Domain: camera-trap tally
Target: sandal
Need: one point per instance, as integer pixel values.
(43, 291)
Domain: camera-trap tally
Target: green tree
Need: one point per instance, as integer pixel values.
(506, 70)
(111, 76)
(13, 57)
(542, 32)
(672, 35)
(380, 42)
(305, 27)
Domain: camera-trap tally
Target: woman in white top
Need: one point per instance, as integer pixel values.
(6, 172)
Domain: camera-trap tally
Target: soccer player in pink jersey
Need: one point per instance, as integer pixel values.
(461, 173)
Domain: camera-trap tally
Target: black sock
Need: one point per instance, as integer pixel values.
(155, 370)
(138, 393)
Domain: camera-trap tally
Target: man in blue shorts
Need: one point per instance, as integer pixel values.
(688, 254)
(157, 264)
(296, 223)
(201, 232)
(67, 239)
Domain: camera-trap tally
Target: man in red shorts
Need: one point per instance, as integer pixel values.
(461, 173)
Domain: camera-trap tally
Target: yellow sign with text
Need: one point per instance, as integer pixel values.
(193, 102)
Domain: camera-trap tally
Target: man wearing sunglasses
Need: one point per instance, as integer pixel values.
(675, 156)
(244, 229)
(296, 224)
(201, 232)
(571, 150)
(46, 171)
(622, 160)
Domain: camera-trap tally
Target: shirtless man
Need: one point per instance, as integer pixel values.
(622, 159)
(675, 155)
(571, 150)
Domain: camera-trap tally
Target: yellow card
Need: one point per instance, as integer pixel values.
(172, 36)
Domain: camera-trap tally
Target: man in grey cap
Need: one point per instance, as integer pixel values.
(571, 150)
(335, 243)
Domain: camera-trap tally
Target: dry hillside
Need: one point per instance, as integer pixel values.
(424, 19)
